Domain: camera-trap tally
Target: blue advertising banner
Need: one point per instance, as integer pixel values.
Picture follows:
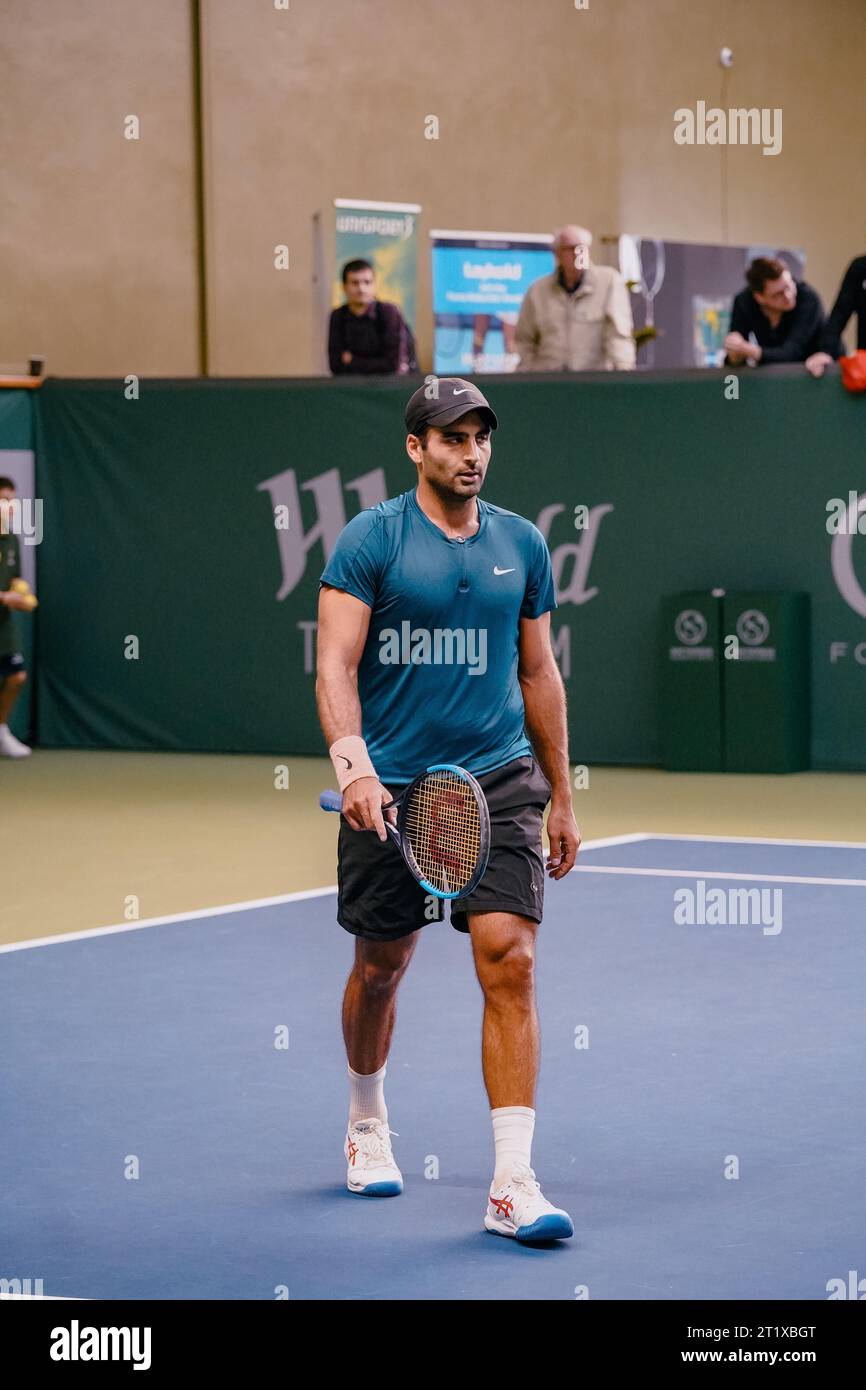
(479, 280)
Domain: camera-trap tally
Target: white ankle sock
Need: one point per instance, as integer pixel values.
(367, 1096)
(513, 1126)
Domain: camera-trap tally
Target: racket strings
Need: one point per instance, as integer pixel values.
(443, 827)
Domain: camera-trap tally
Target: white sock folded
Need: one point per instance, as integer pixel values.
(513, 1127)
(367, 1096)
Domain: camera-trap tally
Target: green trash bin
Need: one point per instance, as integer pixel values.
(765, 682)
(690, 713)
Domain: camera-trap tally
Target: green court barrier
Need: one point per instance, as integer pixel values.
(185, 531)
(690, 708)
(765, 671)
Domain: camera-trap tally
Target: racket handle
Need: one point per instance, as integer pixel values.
(330, 801)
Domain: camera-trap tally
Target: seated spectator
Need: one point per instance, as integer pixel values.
(851, 299)
(366, 334)
(579, 318)
(784, 317)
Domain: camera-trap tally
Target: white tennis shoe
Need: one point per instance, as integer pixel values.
(517, 1208)
(10, 746)
(372, 1170)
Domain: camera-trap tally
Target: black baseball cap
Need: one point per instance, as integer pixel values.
(442, 400)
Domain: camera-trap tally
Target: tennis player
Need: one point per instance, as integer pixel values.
(434, 647)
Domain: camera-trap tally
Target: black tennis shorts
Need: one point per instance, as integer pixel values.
(11, 665)
(379, 899)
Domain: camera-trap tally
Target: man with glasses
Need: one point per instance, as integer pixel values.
(775, 319)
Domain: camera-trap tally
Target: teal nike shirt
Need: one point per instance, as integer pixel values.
(438, 676)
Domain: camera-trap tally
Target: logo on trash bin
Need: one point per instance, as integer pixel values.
(753, 629)
(690, 626)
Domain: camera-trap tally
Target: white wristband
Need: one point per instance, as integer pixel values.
(351, 760)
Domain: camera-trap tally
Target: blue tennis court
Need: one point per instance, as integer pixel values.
(175, 1096)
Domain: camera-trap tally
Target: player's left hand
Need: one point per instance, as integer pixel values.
(564, 837)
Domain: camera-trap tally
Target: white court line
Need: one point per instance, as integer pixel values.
(195, 915)
(250, 905)
(605, 842)
(757, 840)
(717, 874)
(42, 1298)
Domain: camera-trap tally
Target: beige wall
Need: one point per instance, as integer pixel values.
(546, 114)
(97, 243)
(804, 57)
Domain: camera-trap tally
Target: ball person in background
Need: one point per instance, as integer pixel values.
(12, 670)
(438, 559)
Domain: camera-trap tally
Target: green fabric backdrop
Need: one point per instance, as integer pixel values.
(159, 524)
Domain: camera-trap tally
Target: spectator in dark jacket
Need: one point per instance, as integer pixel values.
(783, 317)
(851, 299)
(367, 336)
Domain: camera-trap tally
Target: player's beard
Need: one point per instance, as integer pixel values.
(452, 491)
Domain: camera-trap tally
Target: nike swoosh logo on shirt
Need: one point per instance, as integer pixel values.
(497, 570)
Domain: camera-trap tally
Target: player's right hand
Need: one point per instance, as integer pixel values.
(362, 805)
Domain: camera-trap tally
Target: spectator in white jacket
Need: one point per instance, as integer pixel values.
(579, 318)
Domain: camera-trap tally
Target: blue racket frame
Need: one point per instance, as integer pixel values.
(333, 801)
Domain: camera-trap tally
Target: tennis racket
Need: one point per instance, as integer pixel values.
(442, 830)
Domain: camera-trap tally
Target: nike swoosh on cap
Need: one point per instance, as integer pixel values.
(464, 392)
